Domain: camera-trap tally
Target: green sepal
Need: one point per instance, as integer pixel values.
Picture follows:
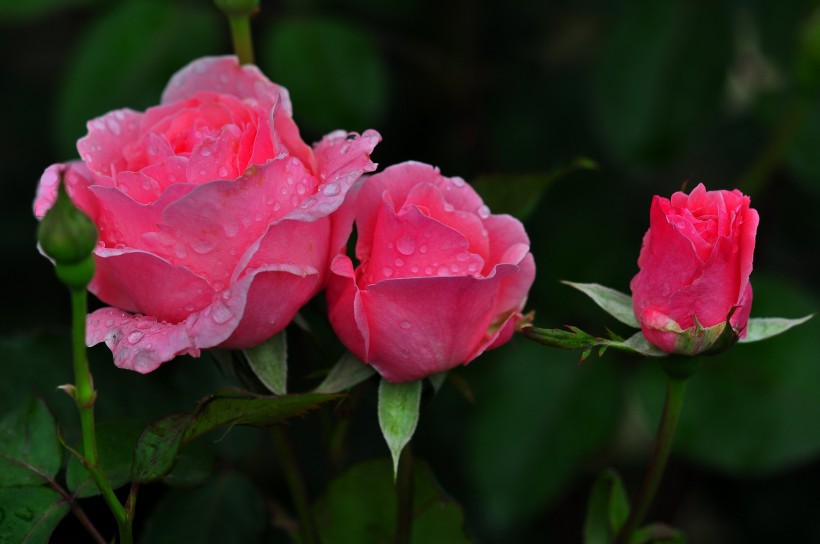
(346, 373)
(761, 328)
(269, 361)
(575, 338)
(398, 415)
(608, 509)
(615, 303)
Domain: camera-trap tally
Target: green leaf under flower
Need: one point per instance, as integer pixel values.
(398, 415)
(346, 373)
(615, 303)
(269, 361)
(30, 514)
(30, 453)
(761, 328)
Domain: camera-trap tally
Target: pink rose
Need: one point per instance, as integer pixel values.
(214, 216)
(439, 281)
(694, 269)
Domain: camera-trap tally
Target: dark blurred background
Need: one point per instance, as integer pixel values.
(506, 94)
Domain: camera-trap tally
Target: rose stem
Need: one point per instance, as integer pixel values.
(85, 396)
(241, 34)
(296, 484)
(404, 490)
(675, 390)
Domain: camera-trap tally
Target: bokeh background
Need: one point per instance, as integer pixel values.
(520, 97)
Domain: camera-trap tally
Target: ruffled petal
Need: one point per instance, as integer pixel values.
(102, 148)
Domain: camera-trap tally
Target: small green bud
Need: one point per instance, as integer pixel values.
(232, 8)
(68, 236)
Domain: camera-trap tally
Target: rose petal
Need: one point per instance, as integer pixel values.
(137, 281)
(77, 179)
(102, 148)
(224, 75)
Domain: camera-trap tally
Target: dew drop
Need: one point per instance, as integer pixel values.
(448, 207)
(463, 257)
(458, 182)
(455, 267)
(135, 337)
(399, 262)
(390, 245)
(221, 314)
(218, 285)
(295, 162)
(484, 212)
(203, 246)
(423, 248)
(301, 189)
(113, 126)
(223, 171)
(414, 269)
(205, 151)
(189, 308)
(406, 324)
(331, 189)
(277, 207)
(284, 190)
(290, 181)
(406, 246)
(387, 271)
(231, 229)
(472, 267)
(428, 270)
(258, 217)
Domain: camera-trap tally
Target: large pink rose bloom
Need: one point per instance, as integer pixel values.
(213, 214)
(439, 280)
(694, 268)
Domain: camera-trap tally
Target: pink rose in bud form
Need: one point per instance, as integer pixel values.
(694, 269)
(214, 216)
(439, 280)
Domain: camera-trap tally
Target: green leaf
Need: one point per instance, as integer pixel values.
(30, 453)
(360, 506)
(269, 361)
(116, 66)
(115, 445)
(194, 466)
(518, 194)
(657, 533)
(227, 510)
(30, 514)
(607, 511)
(333, 70)
(346, 373)
(761, 328)
(254, 411)
(158, 445)
(615, 303)
(398, 415)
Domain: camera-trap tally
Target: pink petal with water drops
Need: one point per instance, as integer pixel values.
(215, 158)
(137, 281)
(302, 246)
(412, 244)
(345, 309)
(102, 148)
(413, 336)
(509, 243)
(138, 343)
(224, 75)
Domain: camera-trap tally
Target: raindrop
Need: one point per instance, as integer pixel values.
(203, 246)
(463, 257)
(205, 151)
(258, 217)
(221, 314)
(406, 324)
(414, 269)
(387, 271)
(284, 190)
(428, 270)
(309, 202)
(399, 262)
(458, 182)
(223, 171)
(423, 248)
(189, 308)
(406, 246)
(218, 285)
(390, 245)
(301, 189)
(455, 267)
(331, 189)
(290, 181)
(109, 323)
(231, 229)
(443, 271)
(448, 207)
(472, 267)
(135, 336)
(484, 212)
(295, 162)
(277, 207)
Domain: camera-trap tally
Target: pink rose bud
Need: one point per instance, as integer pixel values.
(694, 270)
(439, 280)
(214, 216)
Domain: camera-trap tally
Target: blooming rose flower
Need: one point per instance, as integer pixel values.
(213, 214)
(694, 269)
(439, 281)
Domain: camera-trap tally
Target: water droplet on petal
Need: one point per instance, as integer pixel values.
(223, 171)
(463, 257)
(448, 207)
(331, 189)
(423, 248)
(301, 189)
(290, 181)
(113, 126)
(387, 271)
(455, 267)
(399, 262)
(428, 270)
(406, 324)
(458, 182)
(277, 207)
(406, 246)
(414, 269)
(135, 337)
(205, 151)
(484, 212)
(221, 314)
